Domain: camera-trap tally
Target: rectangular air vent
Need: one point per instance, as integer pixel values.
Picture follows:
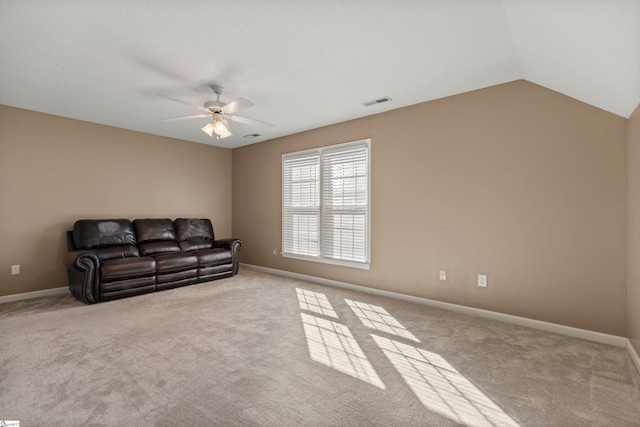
(376, 101)
(252, 135)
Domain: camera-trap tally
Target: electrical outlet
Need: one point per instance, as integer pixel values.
(275, 252)
(443, 275)
(15, 269)
(482, 280)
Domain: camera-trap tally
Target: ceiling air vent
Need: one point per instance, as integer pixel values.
(376, 101)
(252, 135)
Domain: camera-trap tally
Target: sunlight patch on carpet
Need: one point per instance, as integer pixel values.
(441, 388)
(315, 302)
(333, 345)
(376, 317)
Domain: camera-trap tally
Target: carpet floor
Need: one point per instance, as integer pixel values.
(258, 349)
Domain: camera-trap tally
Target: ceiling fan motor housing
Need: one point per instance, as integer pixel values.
(214, 105)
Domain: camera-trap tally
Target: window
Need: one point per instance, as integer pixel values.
(325, 204)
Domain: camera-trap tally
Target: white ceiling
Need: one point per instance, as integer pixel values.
(304, 63)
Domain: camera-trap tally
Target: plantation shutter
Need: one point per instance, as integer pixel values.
(301, 204)
(345, 202)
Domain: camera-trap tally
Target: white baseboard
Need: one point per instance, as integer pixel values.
(34, 294)
(522, 321)
(508, 318)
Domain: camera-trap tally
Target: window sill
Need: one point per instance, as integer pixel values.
(352, 264)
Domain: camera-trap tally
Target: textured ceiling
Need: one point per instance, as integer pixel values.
(305, 64)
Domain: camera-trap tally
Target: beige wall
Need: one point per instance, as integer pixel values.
(54, 171)
(634, 228)
(514, 181)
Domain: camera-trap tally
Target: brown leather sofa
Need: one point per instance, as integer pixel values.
(117, 258)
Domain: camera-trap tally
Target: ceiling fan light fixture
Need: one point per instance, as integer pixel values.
(208, 128)
(219, 127)
(224, 135)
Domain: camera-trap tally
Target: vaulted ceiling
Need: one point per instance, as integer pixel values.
(304, 63)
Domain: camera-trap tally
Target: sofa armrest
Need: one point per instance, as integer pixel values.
(234, 245)
(83, 268)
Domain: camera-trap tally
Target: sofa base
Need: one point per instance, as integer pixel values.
(176, 283)
(124, 293)
(128, 292)
(215, 277)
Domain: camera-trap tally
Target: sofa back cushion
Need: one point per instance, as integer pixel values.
(156, 236)
(194, 233)
(93, 233)
(109, 238)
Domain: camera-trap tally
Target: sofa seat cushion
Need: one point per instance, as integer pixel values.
(127, 268)
(111, 252)
(159, 247)
(214, 256)
(168, 263)
(195, 245)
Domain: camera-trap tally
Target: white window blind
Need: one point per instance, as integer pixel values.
(326, 204)
(301, 204)
(345, 197)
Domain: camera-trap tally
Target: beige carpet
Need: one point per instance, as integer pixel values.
(264, 350)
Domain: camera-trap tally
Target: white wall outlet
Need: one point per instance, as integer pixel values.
(482, 280)
(275, 252)
(15, 269)
(443, 275)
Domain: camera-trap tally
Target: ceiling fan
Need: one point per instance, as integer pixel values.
(219, 113)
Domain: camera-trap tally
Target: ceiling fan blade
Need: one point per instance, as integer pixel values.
(251, 122)
(195, 116)
(199, 107)
(237, 105)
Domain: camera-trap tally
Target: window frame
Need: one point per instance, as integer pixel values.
(365, 265)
